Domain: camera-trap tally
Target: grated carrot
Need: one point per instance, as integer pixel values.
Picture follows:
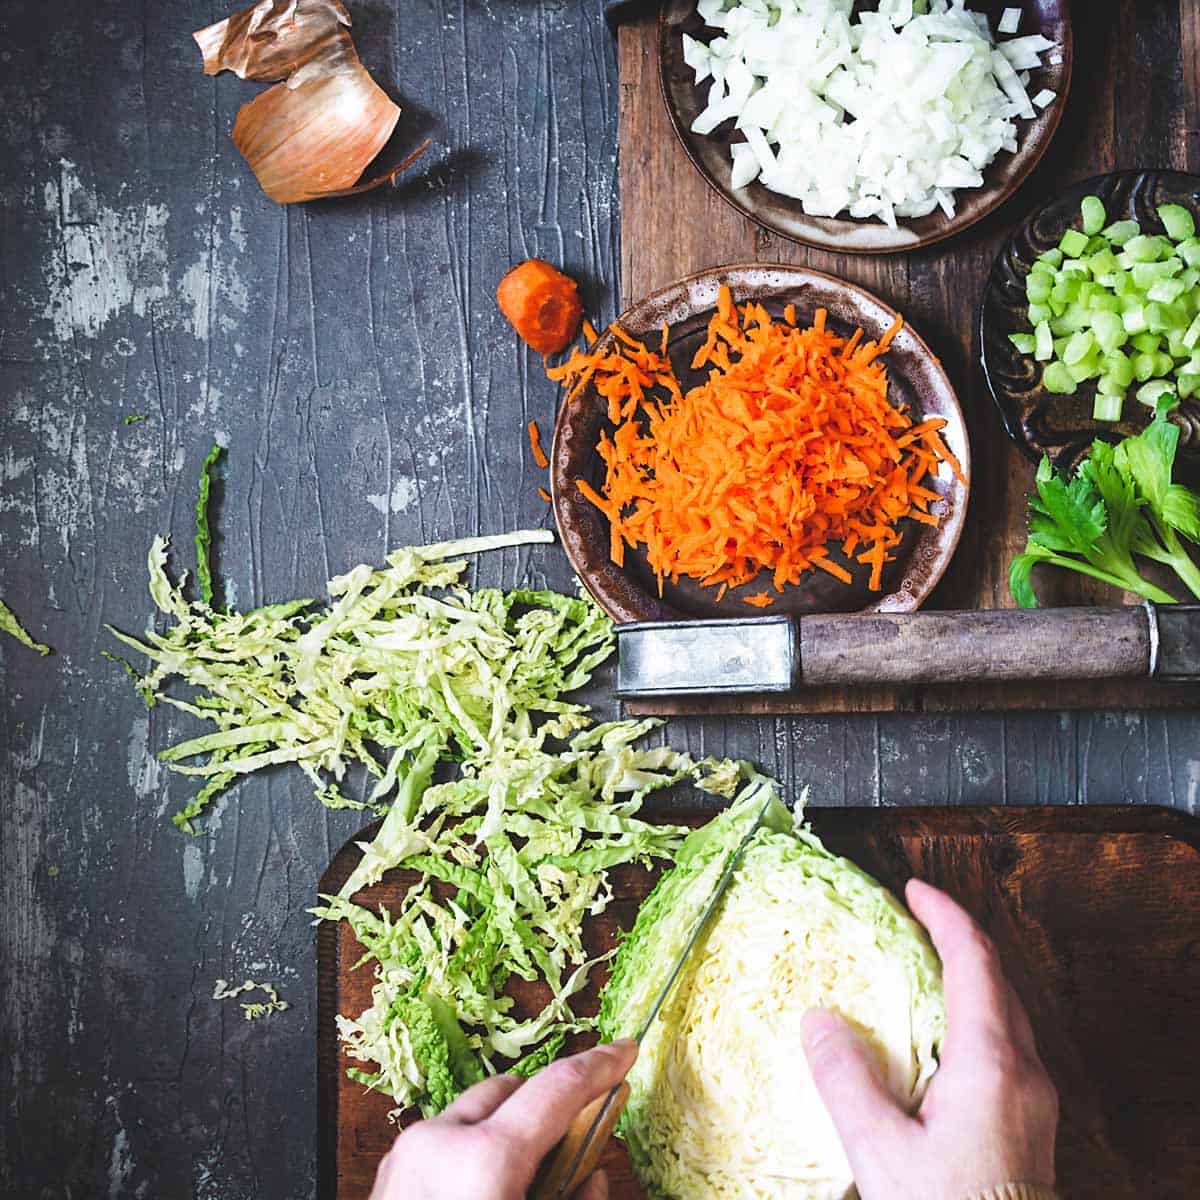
(545, 495)
(535, 444)
(788, 447)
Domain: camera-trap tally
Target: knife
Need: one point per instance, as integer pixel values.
(576, 1156)
(786, 654)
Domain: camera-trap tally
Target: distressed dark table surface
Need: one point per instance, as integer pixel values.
(350, 357)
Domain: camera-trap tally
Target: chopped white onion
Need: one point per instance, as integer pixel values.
(1010, 21)
(884, 114)
(1045, 98)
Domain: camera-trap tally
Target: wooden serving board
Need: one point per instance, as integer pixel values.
(673, 224)
(1095, 914)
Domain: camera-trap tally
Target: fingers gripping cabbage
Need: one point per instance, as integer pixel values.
(722, 1103)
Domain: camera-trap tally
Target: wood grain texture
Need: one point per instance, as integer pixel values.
(1128, 112)
(1067, 894)
(352, 358)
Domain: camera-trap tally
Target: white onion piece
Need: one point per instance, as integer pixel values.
(1010, 21)
(883, 114)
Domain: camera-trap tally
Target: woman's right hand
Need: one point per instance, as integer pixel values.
(991, 1112)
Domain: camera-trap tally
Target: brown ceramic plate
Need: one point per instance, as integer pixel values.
(630, 593)
(784, 216)
(1037, 420)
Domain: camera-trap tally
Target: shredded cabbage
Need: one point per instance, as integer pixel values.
(723, 1105)
(402, 667)
(403, 670)
(10, 625)
(881, 114)
(524, 842)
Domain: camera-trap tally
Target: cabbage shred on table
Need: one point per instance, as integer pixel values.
(723, 1105)
(404, 670)
(882, 114)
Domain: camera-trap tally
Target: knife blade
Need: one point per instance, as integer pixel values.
(580, 1149)
(784, 654)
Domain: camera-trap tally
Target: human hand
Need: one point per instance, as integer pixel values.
(991, 1112)
(489, 1143)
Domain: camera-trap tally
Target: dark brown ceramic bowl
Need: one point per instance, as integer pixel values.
(783, 215)
(916, 379)
(1040, 422)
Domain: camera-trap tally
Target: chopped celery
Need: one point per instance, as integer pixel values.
(1064, 292)
(1143, 366)
(1192, 337)
(1146, 249)
(1167, 291)
(1189, 251)
(1073, 243)
(1038, 288)
(1044, 343)
(1119, 232)
(1109, 330)
(1117, 304)
(1134, 318)
(1085, 369)
(1151, 393)
(1094, 216)
(1119, 368)
(1147, 274)
(1108, 405)
(1158, 317)
(1188, 385)
(1056, 378)
(1103, 263)
(1177, 221)
(1079, 347)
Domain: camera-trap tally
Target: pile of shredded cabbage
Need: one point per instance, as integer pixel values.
(881, 114)
(403, 670)
(723, 1106)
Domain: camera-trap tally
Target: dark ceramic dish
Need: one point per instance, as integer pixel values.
(784, 216)
(916, 379)
(1037, 420)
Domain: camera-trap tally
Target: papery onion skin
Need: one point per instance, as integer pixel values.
(306, 142)
(311, 136)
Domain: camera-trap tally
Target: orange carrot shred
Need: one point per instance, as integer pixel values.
(545, 495)
(789, 445)
(535, 444)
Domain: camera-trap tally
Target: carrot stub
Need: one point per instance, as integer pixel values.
(543, 305)
(788, 449)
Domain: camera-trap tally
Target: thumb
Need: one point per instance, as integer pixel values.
(864, 1112)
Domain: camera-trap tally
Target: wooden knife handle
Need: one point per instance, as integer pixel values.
(560, 1175)
(996, 644)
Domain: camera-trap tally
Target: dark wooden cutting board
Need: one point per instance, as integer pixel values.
(673, 224)
(1097, 918)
